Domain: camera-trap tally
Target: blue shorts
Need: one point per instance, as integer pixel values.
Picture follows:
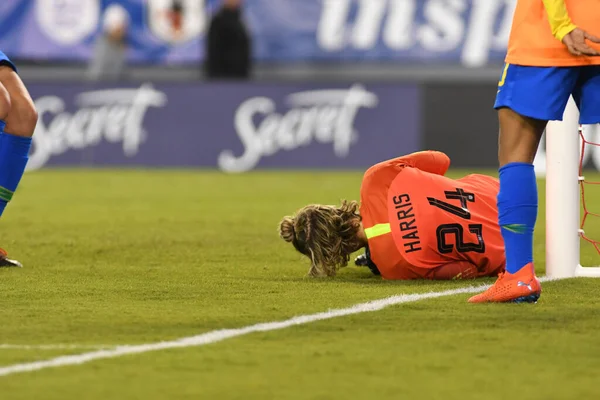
(4, 60)
(543, 92)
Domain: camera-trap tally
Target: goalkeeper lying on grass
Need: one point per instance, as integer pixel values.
(413, 222)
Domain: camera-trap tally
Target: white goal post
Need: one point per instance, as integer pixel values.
(563, 200)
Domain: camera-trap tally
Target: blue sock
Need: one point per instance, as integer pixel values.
(517, 213)
(14, 154)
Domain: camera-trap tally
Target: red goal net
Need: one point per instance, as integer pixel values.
(588, 214)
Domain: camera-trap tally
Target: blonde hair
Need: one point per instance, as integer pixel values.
(328, 235)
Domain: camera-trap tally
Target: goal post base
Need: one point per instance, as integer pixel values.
(587, 272)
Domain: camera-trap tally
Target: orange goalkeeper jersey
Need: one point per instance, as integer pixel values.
(540, 25)
(417, 220)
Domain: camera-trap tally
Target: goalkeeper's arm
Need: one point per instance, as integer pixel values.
(434, 162)
(364, 260)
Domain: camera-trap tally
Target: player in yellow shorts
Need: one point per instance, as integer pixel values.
(552, 55)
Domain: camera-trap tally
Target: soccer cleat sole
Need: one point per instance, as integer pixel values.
(6, 263)
(532, 298)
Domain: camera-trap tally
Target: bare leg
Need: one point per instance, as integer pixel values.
(21, 118)
(4, 103)
(519, 137)
(17, 123)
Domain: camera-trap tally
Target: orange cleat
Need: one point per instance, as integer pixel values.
(520, 287)
(5, 262)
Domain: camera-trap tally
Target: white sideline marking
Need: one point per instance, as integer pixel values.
(222, 334)
(54, 346)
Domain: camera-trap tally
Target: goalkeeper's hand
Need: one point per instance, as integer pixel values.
(365, 261)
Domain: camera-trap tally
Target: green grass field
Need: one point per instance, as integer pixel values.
(130, 257)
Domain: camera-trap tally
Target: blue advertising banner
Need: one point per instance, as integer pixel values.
(458, 32)
(235, 127)
(65, 30)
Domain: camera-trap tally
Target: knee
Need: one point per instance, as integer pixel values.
(22, 118)
(4, 103)
(29, 117)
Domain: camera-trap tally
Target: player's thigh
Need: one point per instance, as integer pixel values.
(527, 98)
(587, 95)
(4, 103)
(22, 116)
(519, 137)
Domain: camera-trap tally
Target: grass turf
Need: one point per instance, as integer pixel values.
(127, 257)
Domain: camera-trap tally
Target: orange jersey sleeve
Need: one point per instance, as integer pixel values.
(539, 25)
(434, 162)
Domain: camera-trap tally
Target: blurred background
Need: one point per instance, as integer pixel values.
(244, 84)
